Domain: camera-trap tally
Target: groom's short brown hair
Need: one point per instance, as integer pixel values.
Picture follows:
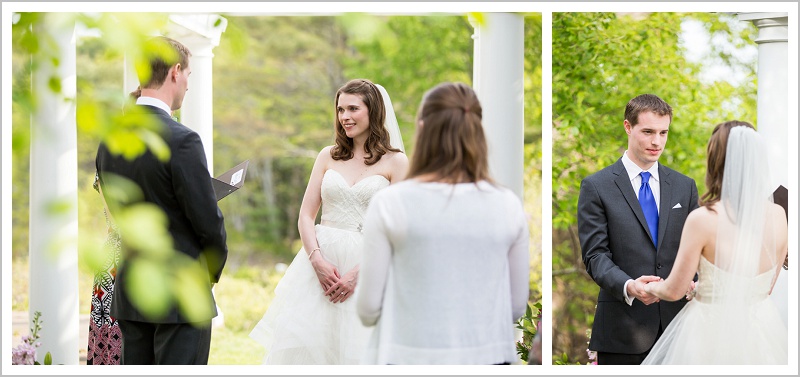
(646, 103)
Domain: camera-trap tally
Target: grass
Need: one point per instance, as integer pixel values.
(243, 296)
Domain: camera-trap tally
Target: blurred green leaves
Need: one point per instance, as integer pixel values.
(160, 277)
(144, 228)
(148, 286)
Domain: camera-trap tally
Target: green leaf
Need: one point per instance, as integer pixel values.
(156, 144)
(119, 192)
(193, 292)
(479, 18)
(143, 228)
(58, 207)
(148, 288)
(126, 143)
(92, 253)
(54, 83)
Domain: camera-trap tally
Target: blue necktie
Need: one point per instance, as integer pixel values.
(648, 203)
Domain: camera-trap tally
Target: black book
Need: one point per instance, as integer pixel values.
(230, 181)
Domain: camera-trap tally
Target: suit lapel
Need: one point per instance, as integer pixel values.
(664, 203)
(625, 187)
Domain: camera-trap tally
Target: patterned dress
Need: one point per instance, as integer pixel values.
(105, 338)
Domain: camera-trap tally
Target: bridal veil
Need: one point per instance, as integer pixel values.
(395, 138)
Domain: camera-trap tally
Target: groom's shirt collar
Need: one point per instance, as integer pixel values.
(150, 101)
(634, 170)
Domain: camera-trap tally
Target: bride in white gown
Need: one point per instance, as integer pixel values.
(312, 318)
(736, 242)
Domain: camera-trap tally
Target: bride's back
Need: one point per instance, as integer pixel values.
(723, 234)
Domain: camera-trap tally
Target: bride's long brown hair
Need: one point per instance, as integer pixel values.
(716, 149)
(378, 142)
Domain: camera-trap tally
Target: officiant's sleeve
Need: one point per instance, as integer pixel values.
(519, 260)
(375, 264)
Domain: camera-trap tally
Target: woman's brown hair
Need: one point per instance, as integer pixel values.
(717, 146)
(450, 142)
(378, 142)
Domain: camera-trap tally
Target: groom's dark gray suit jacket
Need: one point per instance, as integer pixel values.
(616, 246)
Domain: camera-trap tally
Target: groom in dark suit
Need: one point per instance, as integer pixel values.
(630, 218)
(181, 188)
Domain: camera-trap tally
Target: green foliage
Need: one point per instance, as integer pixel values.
(563, 359)
(600, 62)
(533, 88)
(415, 63)
(529, 324)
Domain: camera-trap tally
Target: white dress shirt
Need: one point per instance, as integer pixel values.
(636, 181)
(154, 102)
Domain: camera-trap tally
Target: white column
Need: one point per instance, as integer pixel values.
(499, 82)
(196, 112)
(200, 34)
(773, 88)
(54, 196)
(129, 77)
(773, 113)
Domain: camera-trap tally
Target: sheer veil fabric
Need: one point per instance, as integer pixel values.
(396, 139)
(745, 248)
(732, 320)
(746, 251)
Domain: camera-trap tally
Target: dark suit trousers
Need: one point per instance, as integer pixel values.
(146, 343)
(610, 358)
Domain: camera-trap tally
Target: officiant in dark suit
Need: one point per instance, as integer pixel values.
(630, 219)
(181, 187)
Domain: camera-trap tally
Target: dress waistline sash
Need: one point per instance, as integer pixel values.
(342, 226)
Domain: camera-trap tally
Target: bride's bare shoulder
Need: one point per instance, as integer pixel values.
(396, 157)
(776, 210)
(702, 216)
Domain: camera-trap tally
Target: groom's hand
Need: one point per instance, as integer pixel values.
(636, 289)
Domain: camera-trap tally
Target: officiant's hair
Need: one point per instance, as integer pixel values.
(650, 103)
(450, 142)
(378, 141)
(716, 149)
(159, 55)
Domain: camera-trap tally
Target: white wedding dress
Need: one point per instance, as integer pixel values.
(698, 334)
(301, 325)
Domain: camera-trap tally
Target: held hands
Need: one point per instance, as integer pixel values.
(692, 291)
(641, 289)
(344, 288)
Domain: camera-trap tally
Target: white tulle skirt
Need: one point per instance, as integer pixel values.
(301, 326)
(701, 335)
